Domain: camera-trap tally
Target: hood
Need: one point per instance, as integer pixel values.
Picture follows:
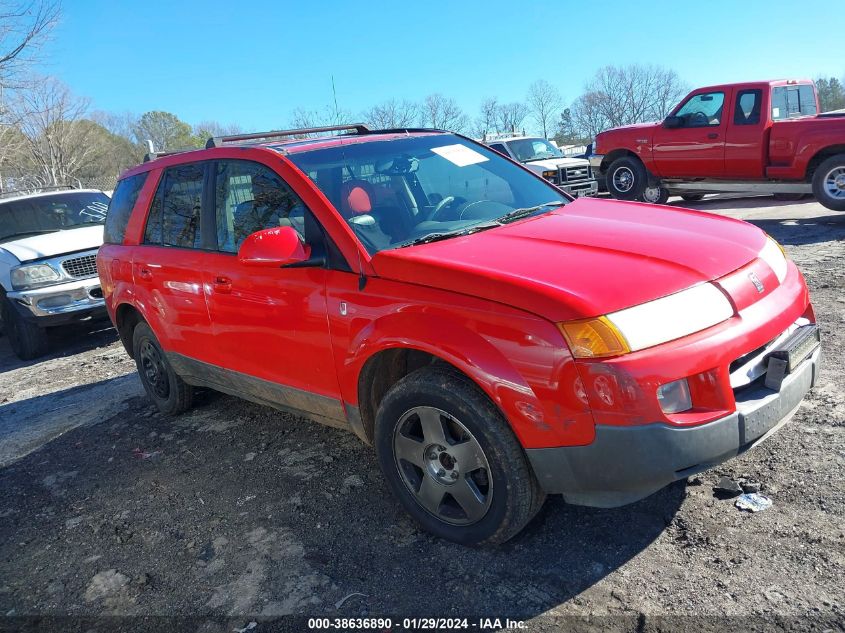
(556, 163)
(58, 243)
(587, 258)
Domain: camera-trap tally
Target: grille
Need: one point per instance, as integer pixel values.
(574, 174)
(85, 266)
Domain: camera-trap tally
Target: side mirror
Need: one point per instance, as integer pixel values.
(273, 248)
(673, 122)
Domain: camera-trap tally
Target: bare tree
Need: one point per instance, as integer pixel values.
(511, 115)
(487, 121)
(206, 129)
(624, 95)
(56, 137)
(24, 26)
(392, 114)
(544, 103)
(330, 115)
(443, 113)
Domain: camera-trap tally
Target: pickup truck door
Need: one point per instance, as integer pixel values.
(747, 140)
(697, 148)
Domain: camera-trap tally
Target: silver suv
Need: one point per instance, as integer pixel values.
(48, 266)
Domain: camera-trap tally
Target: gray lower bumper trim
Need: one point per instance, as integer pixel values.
(625, 464)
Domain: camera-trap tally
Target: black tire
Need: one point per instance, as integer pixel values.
(692, 197)
(830, 194)
(789, 197)
(166, 389)
(626, 178)
(27, 340)
(654, 194)
(507, 493)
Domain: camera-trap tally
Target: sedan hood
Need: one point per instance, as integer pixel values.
(587, 258)
(58, 243)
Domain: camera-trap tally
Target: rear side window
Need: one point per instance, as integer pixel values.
(120, 208)
(747, 110)
(174, 218)
(793, 101)
(250, 197)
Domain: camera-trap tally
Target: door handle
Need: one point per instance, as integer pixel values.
(222, 284)
(145, 273)
(712, 135)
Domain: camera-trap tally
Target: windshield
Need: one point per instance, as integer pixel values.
(413, 189)
(24, 217)
(528, 149)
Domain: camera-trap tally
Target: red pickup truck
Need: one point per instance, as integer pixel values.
(765, 136)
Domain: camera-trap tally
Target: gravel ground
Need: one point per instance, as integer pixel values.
(238, 511)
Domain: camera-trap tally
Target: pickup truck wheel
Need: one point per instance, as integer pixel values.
(27, 340)
(654, 194)
(626, 178)
(452, 460)
(829, 183)
(692, 197)
(166, 389)
(788, 197)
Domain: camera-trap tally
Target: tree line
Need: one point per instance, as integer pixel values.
(50, 136)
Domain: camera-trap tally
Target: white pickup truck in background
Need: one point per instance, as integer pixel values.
(48, 267)
(573, 175)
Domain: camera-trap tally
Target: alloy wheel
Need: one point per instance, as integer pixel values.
(623, 179)
(834, 183)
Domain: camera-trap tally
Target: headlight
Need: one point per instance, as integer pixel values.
(33, 276)
(549, 175)
(648, 324)
(774, 255)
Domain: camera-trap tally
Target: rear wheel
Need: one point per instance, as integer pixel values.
(788, 197)
(829, 183)
(655, 194)
(692, 197)
(452, 460)
(626, 178)
(26, 339)
(166, 389)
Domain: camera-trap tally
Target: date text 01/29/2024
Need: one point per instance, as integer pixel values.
(413, 624)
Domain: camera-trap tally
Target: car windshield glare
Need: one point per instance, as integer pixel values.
(22, 217)
(398, 192)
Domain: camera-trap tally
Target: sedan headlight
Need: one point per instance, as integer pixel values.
(33, 276)
(773, 254)
(648, 324)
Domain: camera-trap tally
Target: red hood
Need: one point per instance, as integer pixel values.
(588, 258)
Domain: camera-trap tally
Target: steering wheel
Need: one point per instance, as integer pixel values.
(699, 119)
(440, 206)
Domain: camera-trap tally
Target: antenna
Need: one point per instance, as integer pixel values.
(334, 96)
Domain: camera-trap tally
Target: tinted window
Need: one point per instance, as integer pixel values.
(174, 218)
(500, 148)
(22, 217)
(534, 149)
(120, 208)
(747, 110)
(792, 101)
(250, 197)
(702, 110)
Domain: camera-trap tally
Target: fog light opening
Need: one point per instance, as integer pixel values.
(674, 397)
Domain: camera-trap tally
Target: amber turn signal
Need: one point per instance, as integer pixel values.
(594, 338)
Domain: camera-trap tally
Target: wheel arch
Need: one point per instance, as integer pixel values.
(126, 317)
(819, 157)
(610, 157)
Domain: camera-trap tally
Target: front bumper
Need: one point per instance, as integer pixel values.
(62, 303)
(595, 161)
(582, 188)
(625, 464)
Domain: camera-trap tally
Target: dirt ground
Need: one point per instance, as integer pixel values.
(238, 511)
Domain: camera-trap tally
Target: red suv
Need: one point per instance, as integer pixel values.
(492, 338)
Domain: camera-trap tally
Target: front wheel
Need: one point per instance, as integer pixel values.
(452, 460)
(829, 183)
(626, 178)
(27, 340)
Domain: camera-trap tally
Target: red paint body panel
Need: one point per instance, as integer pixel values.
(487, 303)
(770, 149)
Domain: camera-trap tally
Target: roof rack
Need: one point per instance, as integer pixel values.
(218, 141)
(153, 155)
(30, 190)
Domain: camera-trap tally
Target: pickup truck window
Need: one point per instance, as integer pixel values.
(702, 110)
(793, 101)
(250, 197)
(747, 110)
(174, 218)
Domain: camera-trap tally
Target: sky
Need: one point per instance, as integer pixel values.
(253, 62)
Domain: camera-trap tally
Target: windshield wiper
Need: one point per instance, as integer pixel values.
(516, 214)
(549, 157)
(444, 235)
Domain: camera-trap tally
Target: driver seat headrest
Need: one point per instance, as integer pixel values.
(356, 197)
